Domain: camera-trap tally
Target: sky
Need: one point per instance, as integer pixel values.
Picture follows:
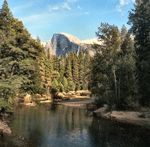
(80, 18)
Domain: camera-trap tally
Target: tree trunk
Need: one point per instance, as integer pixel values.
(115, 86)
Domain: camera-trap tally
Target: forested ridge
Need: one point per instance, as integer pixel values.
(119, 72)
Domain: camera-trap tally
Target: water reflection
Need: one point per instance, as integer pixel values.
(52, 125)
(108, 133)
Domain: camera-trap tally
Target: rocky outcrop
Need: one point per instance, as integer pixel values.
(62, 43)
(4, 129)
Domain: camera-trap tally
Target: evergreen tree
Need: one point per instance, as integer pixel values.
(18, 56)
(75, 71)
(62, 66)
(81, 67)
(55, 84)
(86, 69)
(123, 32)
(140, 20)
(71, 86)
(56, 64)
(106, 80)
(68, 71)
(126, 78)
(64, 83)
(48, 71)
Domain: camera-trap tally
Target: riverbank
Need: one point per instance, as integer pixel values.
(76, 102)
(138, 118)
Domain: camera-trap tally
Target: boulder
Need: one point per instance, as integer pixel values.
(27, 98)
(4, 129)
(101, 111)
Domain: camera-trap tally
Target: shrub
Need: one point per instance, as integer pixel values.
(71, 86)
(7, 95)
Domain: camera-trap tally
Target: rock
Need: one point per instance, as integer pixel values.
(62, 43)
(27, 98)
(142, 115)
(101, 111)
(4, 129)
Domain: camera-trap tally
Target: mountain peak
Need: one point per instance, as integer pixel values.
(63, 43)
(71, 38)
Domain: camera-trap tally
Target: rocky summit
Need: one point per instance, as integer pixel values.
(62, 43)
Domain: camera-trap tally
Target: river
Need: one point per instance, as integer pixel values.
(50, 125)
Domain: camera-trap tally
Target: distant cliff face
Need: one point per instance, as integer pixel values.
(63, 43)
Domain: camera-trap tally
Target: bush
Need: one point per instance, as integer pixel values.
(7, 95)
(71, 86)
(55, 84)
(78, 87)
(61, 87)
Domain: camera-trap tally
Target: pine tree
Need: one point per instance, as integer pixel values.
(68, 70)
(123, 32)
(140, 20)
(86, 68)
(64, 83)
(74, 63)
(108, 55)
(62, 66)
(81, 67)
(56, 64)
(18, 56)
(48, 71)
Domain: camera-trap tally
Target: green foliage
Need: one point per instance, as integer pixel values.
(87, 68)
(55, 84)
(62, 65)
(65, 83)
(81, 67)
(56, 64)
(61, 87)
(68, 71)
(75, 71)
(71, 86)
(7, 94)
(113, 67)
(139, 19)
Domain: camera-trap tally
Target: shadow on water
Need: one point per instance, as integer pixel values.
(109, 133)
(34, 139)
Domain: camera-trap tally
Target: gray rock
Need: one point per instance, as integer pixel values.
(99, 112)
(62, 43)
(4, 128)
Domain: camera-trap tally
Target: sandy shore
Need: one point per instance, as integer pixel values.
(78, 103)
(138, 118)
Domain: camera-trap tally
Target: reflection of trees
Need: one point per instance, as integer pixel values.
(108, 133)
(35, 136)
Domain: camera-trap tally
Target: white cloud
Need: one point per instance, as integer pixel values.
(72, 1)
(133, 1)
(122, 2)
(79, 7)
(121, 7)
(65, 5)
(55, 8)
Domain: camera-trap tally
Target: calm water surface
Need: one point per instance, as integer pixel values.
(61, 126)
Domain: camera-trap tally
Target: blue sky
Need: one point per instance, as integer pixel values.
(80, 18)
